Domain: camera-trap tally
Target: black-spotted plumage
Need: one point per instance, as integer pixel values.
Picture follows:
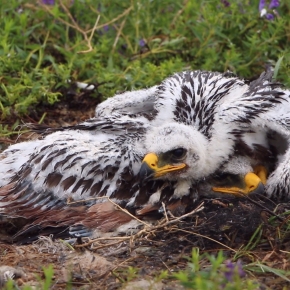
(197, 111)
(263, 111)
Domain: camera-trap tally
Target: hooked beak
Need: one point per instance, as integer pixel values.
(252, 185)
(150, 168)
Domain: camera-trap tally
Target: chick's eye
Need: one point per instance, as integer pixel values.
(178, 153)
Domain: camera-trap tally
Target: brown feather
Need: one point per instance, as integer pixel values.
(105, 217)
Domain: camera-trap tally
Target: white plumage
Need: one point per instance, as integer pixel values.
(269, 128)
(194, 125)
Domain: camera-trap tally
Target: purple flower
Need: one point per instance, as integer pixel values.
(262, 5)
(263, 8)
(142, 42)
(269, 16)
(106, 28)
(48, 2)
(274, 4)
(232, 269)
(226, 3)
(229, 273)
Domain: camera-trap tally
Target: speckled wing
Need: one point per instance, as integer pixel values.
(205, 99)
(243, 114)
(219, 105)
(276, 123)
(101, 157)
(93, 159)
(132, 103)
(199, 98)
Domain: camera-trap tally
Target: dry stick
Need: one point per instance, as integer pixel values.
(120, 239)
(147, 229)
(199, 208)
(89, 40)
(78, 28)
(199, 235)
(104, 246)
(119, 30)
(8, 141)
(113, 20)
(68, 13)
(61, 20)
(284, 222)
(118, 206)
(166, 266)
(179, 13)
(286, 252)
(120, 264)
(263, 207)
(109, 238)
(128, 213)
(84, 33)
(164, 210)
(119, 33)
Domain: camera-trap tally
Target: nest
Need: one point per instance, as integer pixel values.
(210, 223)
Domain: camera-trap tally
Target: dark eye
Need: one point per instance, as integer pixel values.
(178, 153)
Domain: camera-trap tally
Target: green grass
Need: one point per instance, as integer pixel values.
(203, 272)
(129, 44)
(45, 284)
(125, 45)
(215, 274)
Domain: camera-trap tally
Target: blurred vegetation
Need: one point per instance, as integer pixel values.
(124, 45)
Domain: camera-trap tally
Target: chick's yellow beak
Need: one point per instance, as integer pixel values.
(252, 184)
(150, 167)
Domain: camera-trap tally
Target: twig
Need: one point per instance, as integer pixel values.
(179, 13)
(76, 26)
(164, 210)
(119, 33)
(114, 19)
(118, 206)
(263, 207)
(115, 268)
(148, 229)
(47, 9)
(213, 240)
(128, 213)
(199, 208)
(89, 40)
(104, 246)
(166, 266)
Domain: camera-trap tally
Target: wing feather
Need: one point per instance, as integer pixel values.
(83, 161)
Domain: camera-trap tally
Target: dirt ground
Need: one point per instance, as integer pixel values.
(103, 263)
(226, 224)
